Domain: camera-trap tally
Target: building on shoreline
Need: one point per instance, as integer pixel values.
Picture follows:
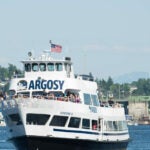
(139, 108)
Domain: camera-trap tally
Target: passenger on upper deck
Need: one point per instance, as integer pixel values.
(51, 96)
(77, 98)
(111, 102)
(72, 97)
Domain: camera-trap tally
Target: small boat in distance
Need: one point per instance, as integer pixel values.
(131, 121)
(2, 121)
(52, 108)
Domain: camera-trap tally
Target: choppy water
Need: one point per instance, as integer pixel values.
(140, 138)
(4, 145)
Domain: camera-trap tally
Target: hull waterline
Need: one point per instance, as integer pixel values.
(42, 143)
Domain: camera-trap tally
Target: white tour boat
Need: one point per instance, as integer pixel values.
(52, 108)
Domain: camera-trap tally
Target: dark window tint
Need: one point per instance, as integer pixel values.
(50, 67)
(27, 67)
(86, 124)
(95, 100)
(74, 122)
(37, 119)
(58, 67)
(87, 99)
(35, 67)
(94, 124)
(15, 118)
(59, 121)
(42, 67)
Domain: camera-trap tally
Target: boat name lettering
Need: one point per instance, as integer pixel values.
(46, 84)
(93, 109)
(66, 113)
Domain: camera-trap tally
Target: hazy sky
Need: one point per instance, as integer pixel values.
(105, 37)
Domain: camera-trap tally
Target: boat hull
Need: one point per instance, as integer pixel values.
(49, 143)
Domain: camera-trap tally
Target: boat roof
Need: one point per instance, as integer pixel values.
(45, 57)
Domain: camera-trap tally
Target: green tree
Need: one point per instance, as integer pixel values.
(109, 83)
(143, 87)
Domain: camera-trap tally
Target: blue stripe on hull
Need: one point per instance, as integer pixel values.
(89, 132)
(76, 131)
(115, 134)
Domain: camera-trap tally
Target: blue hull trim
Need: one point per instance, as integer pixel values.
(88, 132)
(49, 143)
(76, 131)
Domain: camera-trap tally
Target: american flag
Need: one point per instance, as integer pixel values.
(56, 48)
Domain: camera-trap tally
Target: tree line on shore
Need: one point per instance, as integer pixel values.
(5, 75)
(107, 88)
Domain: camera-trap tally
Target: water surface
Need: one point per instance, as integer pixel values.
(140, 136)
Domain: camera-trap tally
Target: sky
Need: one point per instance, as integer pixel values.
(104, 37)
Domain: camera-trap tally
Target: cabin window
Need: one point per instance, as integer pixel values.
(74, 122)
(15, 119)
(27, 67)
(59, 67)
(50, 67)
(95, 100)
(37, 119)
(124, 125)
(86, 124)
(116, 125)
(94, 124)
(59, 121)
(109, 126)
(35, 67)
(87, 99)
(120, 127)
(42, 67)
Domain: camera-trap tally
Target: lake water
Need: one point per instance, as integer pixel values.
(140, 136)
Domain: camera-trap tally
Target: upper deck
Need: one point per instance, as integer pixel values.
(44, 75)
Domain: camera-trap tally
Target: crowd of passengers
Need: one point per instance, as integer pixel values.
(110, 103)
(69, 96)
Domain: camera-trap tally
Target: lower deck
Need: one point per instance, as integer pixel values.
(45, 125)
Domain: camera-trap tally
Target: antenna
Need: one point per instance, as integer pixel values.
(50, 41)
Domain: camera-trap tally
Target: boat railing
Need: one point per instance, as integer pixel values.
(18, 76)
(29, 102)
(115, 105)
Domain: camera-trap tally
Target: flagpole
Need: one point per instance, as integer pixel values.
(50, 41)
